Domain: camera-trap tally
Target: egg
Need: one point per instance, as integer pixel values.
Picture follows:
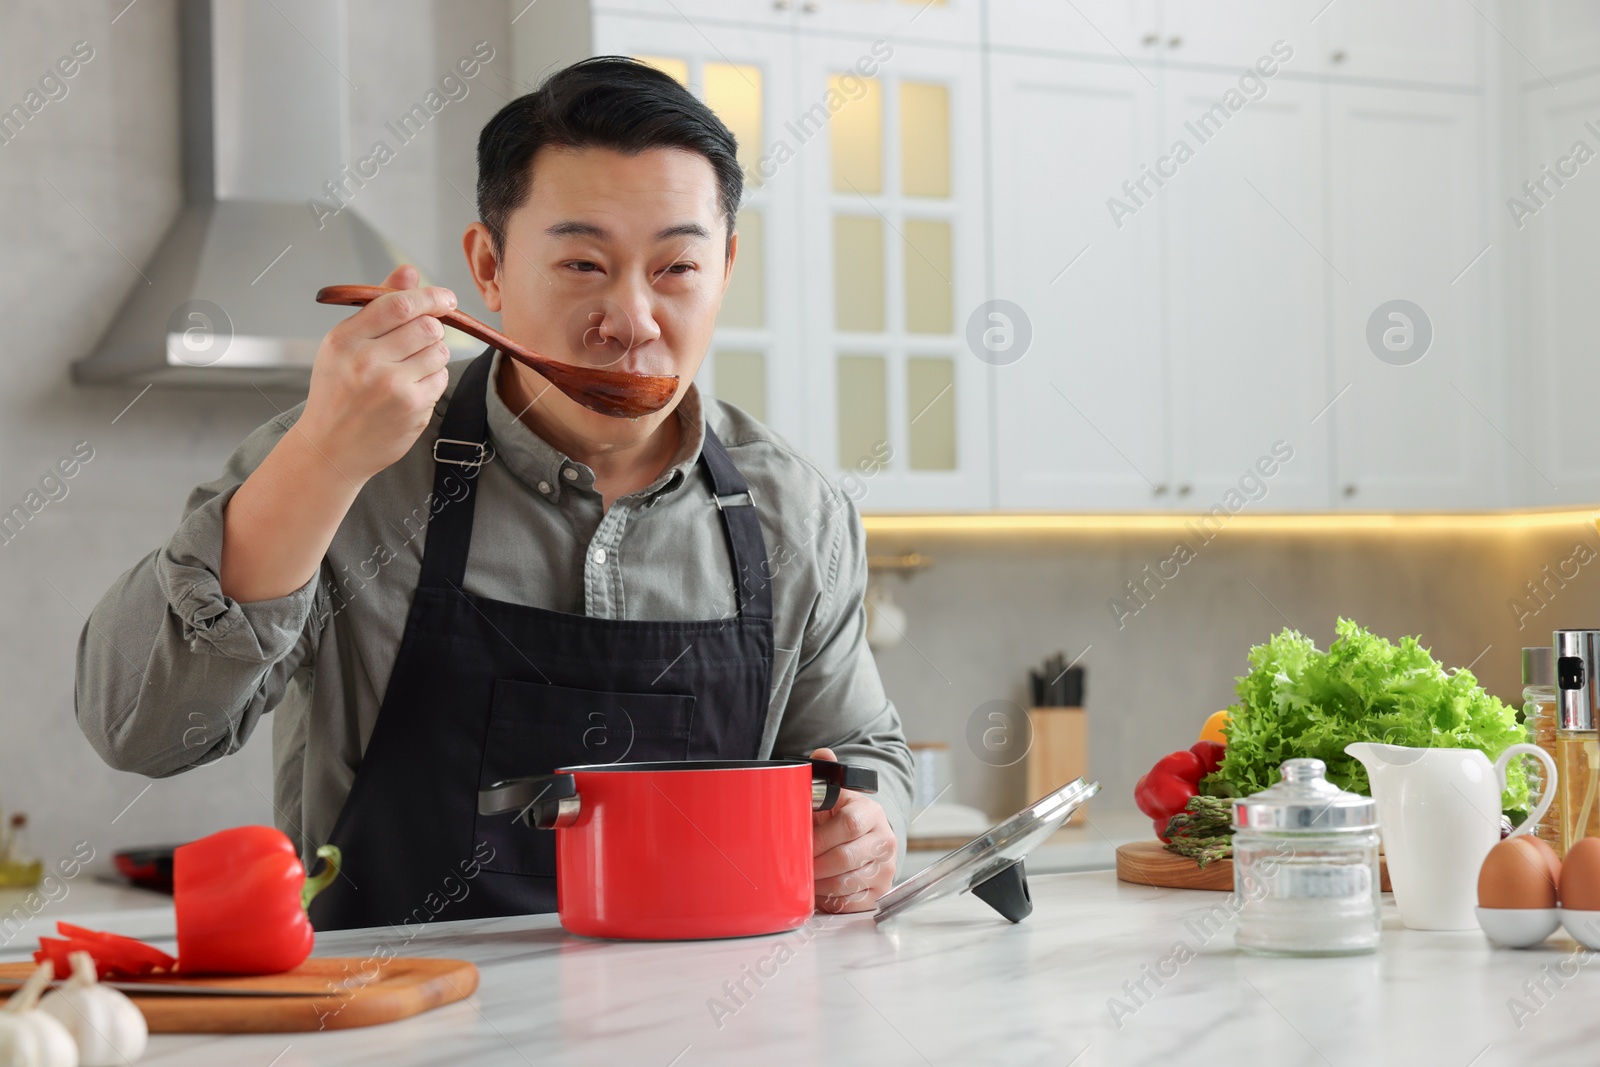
(1580, 876)
(1551, 860)
(1516, 874)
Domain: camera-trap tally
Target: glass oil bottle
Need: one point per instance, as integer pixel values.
(1540, 717)
(1577, 654)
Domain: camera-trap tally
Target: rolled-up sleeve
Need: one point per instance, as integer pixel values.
(171, 672)
(838, 700)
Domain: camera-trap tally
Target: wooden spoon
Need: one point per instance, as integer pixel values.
(615, 393)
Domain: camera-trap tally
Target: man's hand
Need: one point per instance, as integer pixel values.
(377, 377)
(853, 851)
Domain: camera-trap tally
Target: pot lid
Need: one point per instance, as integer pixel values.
(990, 864)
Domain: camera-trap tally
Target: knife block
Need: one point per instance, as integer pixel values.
(1059, 752)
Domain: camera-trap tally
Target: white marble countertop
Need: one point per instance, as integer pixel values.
(952, 984)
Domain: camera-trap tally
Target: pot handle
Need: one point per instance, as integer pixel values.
(829, 776)
(546, 801)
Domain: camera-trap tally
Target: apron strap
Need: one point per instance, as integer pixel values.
(746, 547)
(458, 455)
(461, 449)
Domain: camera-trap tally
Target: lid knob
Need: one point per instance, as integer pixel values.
(1305, 769)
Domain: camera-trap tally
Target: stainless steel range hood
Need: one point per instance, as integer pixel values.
(227, 298)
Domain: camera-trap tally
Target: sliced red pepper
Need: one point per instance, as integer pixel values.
(241, 897)
(113, 954)
(128, 948)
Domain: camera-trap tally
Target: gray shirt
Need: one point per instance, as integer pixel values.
(173, 674)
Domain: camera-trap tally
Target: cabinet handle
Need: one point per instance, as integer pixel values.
(1161, 490)
(780, 5)
(1185, 490)
(809, 7)
(1350, 490)
(1175, 42)
(1337, 58)
(1151, 40)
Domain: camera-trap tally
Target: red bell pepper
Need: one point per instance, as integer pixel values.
(241, 897)
(1166, 789)
(1210, 754)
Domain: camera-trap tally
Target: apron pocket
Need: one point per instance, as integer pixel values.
(535, 728)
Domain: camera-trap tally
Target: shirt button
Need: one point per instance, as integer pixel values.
(599, 555)
(570, 474)
(544, 487)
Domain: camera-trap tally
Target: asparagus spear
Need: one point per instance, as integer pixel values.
(1203, 831)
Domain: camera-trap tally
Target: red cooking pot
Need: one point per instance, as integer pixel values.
(693, 849)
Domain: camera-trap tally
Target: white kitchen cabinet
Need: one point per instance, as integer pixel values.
(1408, 219)
(1124, 30)
(1245, 295)
(899, 20)
(1172, 340)
(956, 21)
(893, 248)
(1080, 418)
(1555, 37)
(700, 14)
(1557, 279)
(1437, 41)
(1239, 33)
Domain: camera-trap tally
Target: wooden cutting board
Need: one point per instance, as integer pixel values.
(327, 993)
(1148, 863)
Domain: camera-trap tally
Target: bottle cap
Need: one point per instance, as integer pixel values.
(1577, 655)
(1539, 666)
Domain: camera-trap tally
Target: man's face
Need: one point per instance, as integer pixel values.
(614, 261)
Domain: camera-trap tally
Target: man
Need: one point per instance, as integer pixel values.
(429, 616)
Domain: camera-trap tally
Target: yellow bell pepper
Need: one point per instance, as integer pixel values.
(1214, 727)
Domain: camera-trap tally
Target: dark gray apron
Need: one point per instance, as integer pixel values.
(484, 690)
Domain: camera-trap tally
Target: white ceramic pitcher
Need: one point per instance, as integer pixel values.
(1438, 816)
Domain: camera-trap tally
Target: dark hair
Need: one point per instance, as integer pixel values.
(610, 102)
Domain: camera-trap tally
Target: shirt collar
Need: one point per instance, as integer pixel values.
(548, 471)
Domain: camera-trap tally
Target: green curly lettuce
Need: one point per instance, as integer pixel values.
(1298, 701)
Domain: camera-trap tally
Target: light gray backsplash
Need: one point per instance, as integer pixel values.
(989, 609)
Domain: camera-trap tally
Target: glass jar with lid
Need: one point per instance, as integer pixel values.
(1305, 867)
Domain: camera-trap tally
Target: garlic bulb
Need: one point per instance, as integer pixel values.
(109, 1028)
(30, 1038)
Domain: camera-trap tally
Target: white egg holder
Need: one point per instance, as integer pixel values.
(1526, 927)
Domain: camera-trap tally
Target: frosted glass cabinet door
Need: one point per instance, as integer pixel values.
(1081, 418)
(746, 75)
(887, 137)
(1421, 419)
(1246, 306)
